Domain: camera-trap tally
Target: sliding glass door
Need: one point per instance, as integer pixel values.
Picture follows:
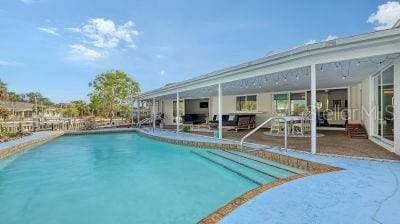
(383, 84)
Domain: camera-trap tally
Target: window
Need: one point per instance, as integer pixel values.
(298, 103)
(281, 104)
(290, 103)
(246, 103)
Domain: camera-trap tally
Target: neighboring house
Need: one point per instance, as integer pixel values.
(24, 111)
(357, 78)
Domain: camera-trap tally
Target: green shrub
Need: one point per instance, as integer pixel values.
(3, 131)
(185, 128)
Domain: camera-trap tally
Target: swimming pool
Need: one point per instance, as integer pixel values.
(124, 178)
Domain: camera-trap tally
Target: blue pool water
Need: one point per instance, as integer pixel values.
(114, 178)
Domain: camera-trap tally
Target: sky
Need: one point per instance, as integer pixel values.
(57, 47)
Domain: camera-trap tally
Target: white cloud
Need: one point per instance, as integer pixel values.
(311, 42)
(386, 16)
(98, 36)
(49, 30)
(80, 52)
(162, 73)
(331, 37)
(103, 33)
(328, 38)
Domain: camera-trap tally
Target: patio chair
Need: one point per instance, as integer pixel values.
(303, 126)
(242, 122)
(276, 126)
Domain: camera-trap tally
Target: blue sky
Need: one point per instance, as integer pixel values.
(57, 47)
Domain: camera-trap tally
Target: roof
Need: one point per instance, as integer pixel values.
(284, 56)
(18, 106)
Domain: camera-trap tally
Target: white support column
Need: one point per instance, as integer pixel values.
(154, 113)
(138, 110)
(313, 110)
(219, 111)
(133, 112)
(177, 112)
(397, 106)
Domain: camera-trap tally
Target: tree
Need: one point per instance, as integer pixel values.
(33, 97)
(95, 104)
(14, 97)
(4, 113)
(71, 111)
(113, 90)
(81, 106)
(3, 91)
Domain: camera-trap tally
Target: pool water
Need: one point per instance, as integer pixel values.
(113, 178)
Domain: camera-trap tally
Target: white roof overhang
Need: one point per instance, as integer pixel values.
(373, 44)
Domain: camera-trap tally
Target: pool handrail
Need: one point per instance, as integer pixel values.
(260, 126)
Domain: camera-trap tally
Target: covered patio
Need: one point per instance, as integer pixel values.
(299, 74)
(332, 143)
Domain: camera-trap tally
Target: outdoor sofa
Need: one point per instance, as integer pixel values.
(235, 122)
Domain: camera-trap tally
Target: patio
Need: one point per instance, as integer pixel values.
(333, 142)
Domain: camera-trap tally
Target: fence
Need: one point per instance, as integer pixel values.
(61, 124)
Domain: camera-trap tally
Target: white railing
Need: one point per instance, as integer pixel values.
(145, 120)
(16, 126)
(261, 125)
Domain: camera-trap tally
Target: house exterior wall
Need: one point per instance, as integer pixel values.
(168, 111)
(192, 106)
(366, 106)
(355, 102)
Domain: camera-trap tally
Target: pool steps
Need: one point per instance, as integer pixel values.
(268, 162)
(264, 168)
(245, 172)
(224, 165)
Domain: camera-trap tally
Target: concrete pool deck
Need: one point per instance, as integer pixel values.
(20, 144)
(366, 191)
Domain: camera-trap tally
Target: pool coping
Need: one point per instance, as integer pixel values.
(99, 131)
(18, 147)
(312, 168)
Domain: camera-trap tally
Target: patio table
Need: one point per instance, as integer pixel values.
(290, 119)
